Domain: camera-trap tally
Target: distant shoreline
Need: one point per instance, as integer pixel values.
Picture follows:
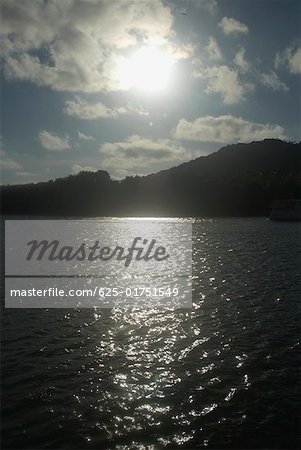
(241, 180)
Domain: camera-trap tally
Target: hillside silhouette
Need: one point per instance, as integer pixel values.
(237, 180)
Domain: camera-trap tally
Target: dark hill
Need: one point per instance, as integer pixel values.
(240, 179)
(256, 157)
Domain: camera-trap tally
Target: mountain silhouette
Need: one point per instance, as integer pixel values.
(237, 180)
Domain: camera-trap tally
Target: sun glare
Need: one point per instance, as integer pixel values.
(148, 69)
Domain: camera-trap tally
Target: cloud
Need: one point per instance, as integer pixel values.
(82, 109)
(26, 174)
(241, 61)
(229, 25)
(77, 45)
(226, 129)
(210, 5)
(8, 164)
(213, 51)
(225, 81)
(290, 58)
(53, 142)
(76, 168)
(272, 81)
(85, 137)
(140, 155)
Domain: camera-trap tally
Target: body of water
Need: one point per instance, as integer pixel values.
(221, 375)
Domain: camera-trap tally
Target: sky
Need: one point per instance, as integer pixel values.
(134, 87)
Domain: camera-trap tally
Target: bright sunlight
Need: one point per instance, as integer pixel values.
(148, 69)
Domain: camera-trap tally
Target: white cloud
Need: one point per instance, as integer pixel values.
(53, 142)
(139, 155)
(84, 110)
(7, 163)
(210, 5)
(241, 61)
(225, 81)
(26, 174)
(213, 50)
(272, 81)
(226, 129)
(81, 41)
(290, 58)
(85, 137)
(76, 168)
(232, 26)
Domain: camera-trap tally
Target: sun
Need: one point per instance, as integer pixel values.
(148, 69)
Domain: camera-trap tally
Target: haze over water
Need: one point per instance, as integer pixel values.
(222, 374)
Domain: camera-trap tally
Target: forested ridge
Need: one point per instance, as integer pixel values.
(237, 180)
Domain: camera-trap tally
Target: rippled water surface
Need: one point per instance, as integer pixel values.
(223, 374)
